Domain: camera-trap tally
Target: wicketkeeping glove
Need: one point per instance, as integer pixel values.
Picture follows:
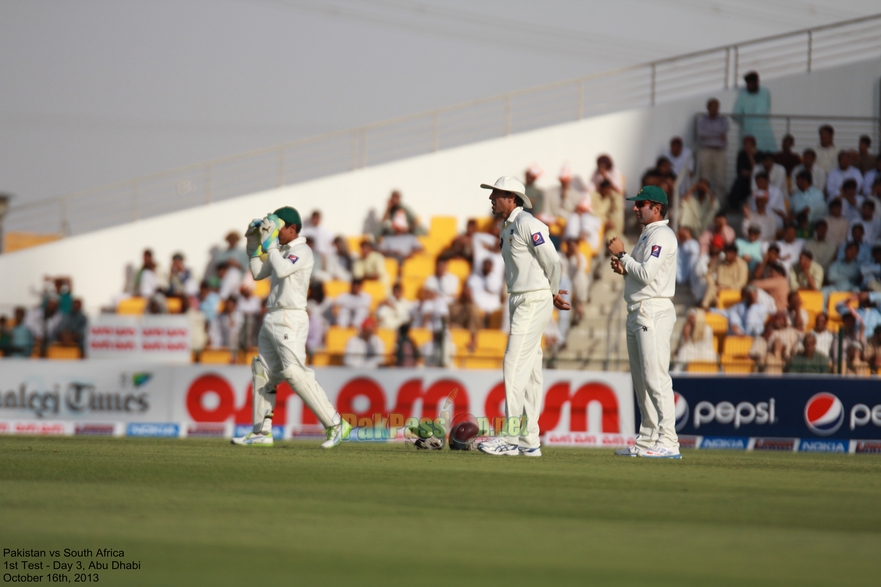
(269, 232)
(253, 237)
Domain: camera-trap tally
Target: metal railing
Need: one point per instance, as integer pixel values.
(632, 87)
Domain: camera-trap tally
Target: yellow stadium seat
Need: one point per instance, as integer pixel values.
(443, 229)
(420, 265)
(411, 286)
(132, 306)
(460, 268)
(728, 297)
(716, 343)
(737, 346)
(391, 268)
(486, 223)
(702, 367)
(320, 359)
(495, 319)
(717, 322)
(836, 298)
(216, 356)
(245, 358)
(261, 288)
(337, 337)
(174, 305)
(420, 336)
(461, 338)
(488, 339)
(335, 287)
(63, 353)
(477, 362)
(733, 365)
(354, 243)
(811, 300)
(389, 337)
(431, 245)
(377, 291)
(585, 249)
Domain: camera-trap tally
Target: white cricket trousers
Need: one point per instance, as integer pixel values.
(282, 346)
(649, 329)
(524, 384)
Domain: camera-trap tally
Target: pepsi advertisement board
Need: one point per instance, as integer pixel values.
(808, 408)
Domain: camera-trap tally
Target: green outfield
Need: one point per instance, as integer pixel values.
(202, 512)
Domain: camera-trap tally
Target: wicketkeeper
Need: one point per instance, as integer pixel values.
(282, 342)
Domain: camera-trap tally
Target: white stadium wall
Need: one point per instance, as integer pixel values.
(442, 183)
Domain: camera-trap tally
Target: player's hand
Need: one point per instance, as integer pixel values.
(618, 266)
(253, 238)
(269, 232)
(559, 302)
(615, 246)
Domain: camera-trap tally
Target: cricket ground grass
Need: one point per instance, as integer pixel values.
(203, 512)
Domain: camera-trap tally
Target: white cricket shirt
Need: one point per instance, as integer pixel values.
(531, 261)
(289, 268)
(651, 267)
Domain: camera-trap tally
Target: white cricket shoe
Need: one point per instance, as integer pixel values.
(661, 452)
(630, 451)
(336, 434)
(252, 439)
(530, 452)
(498, 446)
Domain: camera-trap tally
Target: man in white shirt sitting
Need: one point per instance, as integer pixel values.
(851, 201)
(365, 351)
(321, 237)
(394, 311)
(776, 204)
(809, 164)
(353, 306)
(841, 173)
(790, 247)
(444, 284)
(776, 174)
(486, 287)
(683, 162)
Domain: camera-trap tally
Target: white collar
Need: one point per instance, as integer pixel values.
(656, 224)
(514, 213)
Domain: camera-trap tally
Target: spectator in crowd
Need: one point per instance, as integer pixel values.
(853, 360)
(809, 164)
(796, 315)
(720, 227)
(786, 156)
(60, 289)
(838, 224)
(231, 256)
(864, 250)
(322, 238)
(583, 225)
(606, 205)
(686, 262)
(747, 317)
(872, 178)
(318, 307)
(827, 152)
(439, 350)
(443, 283)
(339, 262)
(776, 200)
(870, 221)
(353, 307)
(682, 160)
(575, 267)
(485, 288)
(230, 277)
(147, 277)
(761, 218)
(774, 348)
(776, 173)
(866, 313)
(842, 172)
(852, 332)
(825, 337)
(196, 323)
(251, 308)
(750, 248)
(699, 206)
(872, 352)
(727, 271)
(433, 312)
(5, 335)
(775, 284)
(366, 350)
(606, 171)
(71, 330)
(465, 313)
(810, 360)
(487, 245)
(661, 175)
(371, 264)
(462, 246)
(871, 272)
(696, 341)
(843, 275)
(21, 339)
(769, 258)
(560, 203)
(790, 247)
(807, 274)
(535, 194)
(751, 110)
(43, 323)
(803, 228)
(406, 351)
(712, 134)
(807, 198)
(395, 310)
(401, 244)
(180, 279)
(226, 328)
(867, 161)
(746, 162)
(399, 218)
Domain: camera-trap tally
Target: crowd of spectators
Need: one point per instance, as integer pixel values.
(56, 320)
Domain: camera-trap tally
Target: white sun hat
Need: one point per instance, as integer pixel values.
(511, 184)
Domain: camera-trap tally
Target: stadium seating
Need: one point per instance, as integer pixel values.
(132, 306)
(728, 297)
(216, 356)
(736, 365)
(64, 352)
(702, 367)
(737, 346)
(174, 305)
(836, 298)
(811, 300)
(718, 323)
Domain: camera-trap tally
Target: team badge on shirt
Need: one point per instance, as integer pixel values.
(537, 239)
(656, 251)
(293, 259)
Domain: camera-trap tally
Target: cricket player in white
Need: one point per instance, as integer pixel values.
(649, 284)
(282, 340)
(532, 273)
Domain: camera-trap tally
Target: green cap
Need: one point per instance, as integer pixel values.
(652, 193)
(289, 216)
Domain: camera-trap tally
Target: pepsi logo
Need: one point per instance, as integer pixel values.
(537, 239)
(824, 414)
(681, 411)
